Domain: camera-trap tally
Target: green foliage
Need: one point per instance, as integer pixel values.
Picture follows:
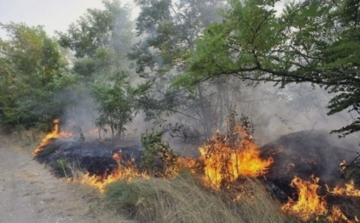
(311, 41)
(157, 158)
(171, 28)
(116, 102)
(99, 28)
(121, 195)
(62, 164)
(32, 72)
(100, 39)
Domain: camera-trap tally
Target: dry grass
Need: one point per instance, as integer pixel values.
(256, 205)
(22, 139)
(96, 209)
(184, 200)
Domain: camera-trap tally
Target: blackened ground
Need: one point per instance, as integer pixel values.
(303, 154)
(95, 157)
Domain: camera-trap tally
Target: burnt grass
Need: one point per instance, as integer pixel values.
(301, 154)
(95, 157)
(304, 154)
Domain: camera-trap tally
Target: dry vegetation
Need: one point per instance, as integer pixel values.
(26, 139)
(185, 200)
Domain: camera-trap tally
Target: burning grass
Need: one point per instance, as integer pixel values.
(349, 190)
(127, 173)
(223, 163)
(54, 134)
(220, 188)
(311, 205)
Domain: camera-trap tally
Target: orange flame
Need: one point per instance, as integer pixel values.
(338, 216)
(124, 172)
(101, 182)
(117, 157)
(187, 163)
(54, 134)
(349, 190)
(224, 164)
(309, 203)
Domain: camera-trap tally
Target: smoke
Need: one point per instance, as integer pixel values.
(80, 113)
(279, 111)
(274, 111)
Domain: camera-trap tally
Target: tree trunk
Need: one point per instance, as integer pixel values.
(206, 122)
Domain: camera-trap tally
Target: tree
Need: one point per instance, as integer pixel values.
(100, 39)
(32, 72)
(169, 30)
(311, 41)
(116, 102)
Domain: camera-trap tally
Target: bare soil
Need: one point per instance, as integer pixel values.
(30, 194)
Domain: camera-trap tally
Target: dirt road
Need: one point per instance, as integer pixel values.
(29, 194)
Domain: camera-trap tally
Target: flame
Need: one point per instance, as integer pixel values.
(309, 203)
(223, 164)
(187, 163)
(101, 182)
(349, 190)
(127, 171)
(338, 216)
(54, 134)
(117, 157)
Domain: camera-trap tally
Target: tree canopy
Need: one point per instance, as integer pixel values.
(32, 70)
(180, 57)
(310, 41)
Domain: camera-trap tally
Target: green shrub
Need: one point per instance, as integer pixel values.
(158, 159)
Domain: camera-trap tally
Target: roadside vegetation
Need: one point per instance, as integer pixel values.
(183, 66)
(184, 199)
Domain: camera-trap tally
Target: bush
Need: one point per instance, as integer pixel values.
(157, 159)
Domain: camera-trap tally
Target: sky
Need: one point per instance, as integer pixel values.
(52, 14)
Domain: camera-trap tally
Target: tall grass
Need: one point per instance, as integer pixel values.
(185, 200)
(21, 138)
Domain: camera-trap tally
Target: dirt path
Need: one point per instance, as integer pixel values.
(29, 194)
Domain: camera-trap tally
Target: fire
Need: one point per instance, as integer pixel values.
(187, 163)
(224, 159)
(223, 164)
(117, 157)
(127, 171)
(54, 134)
(101, 182)
(338, 216)
(349, 190)
(309, 203)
